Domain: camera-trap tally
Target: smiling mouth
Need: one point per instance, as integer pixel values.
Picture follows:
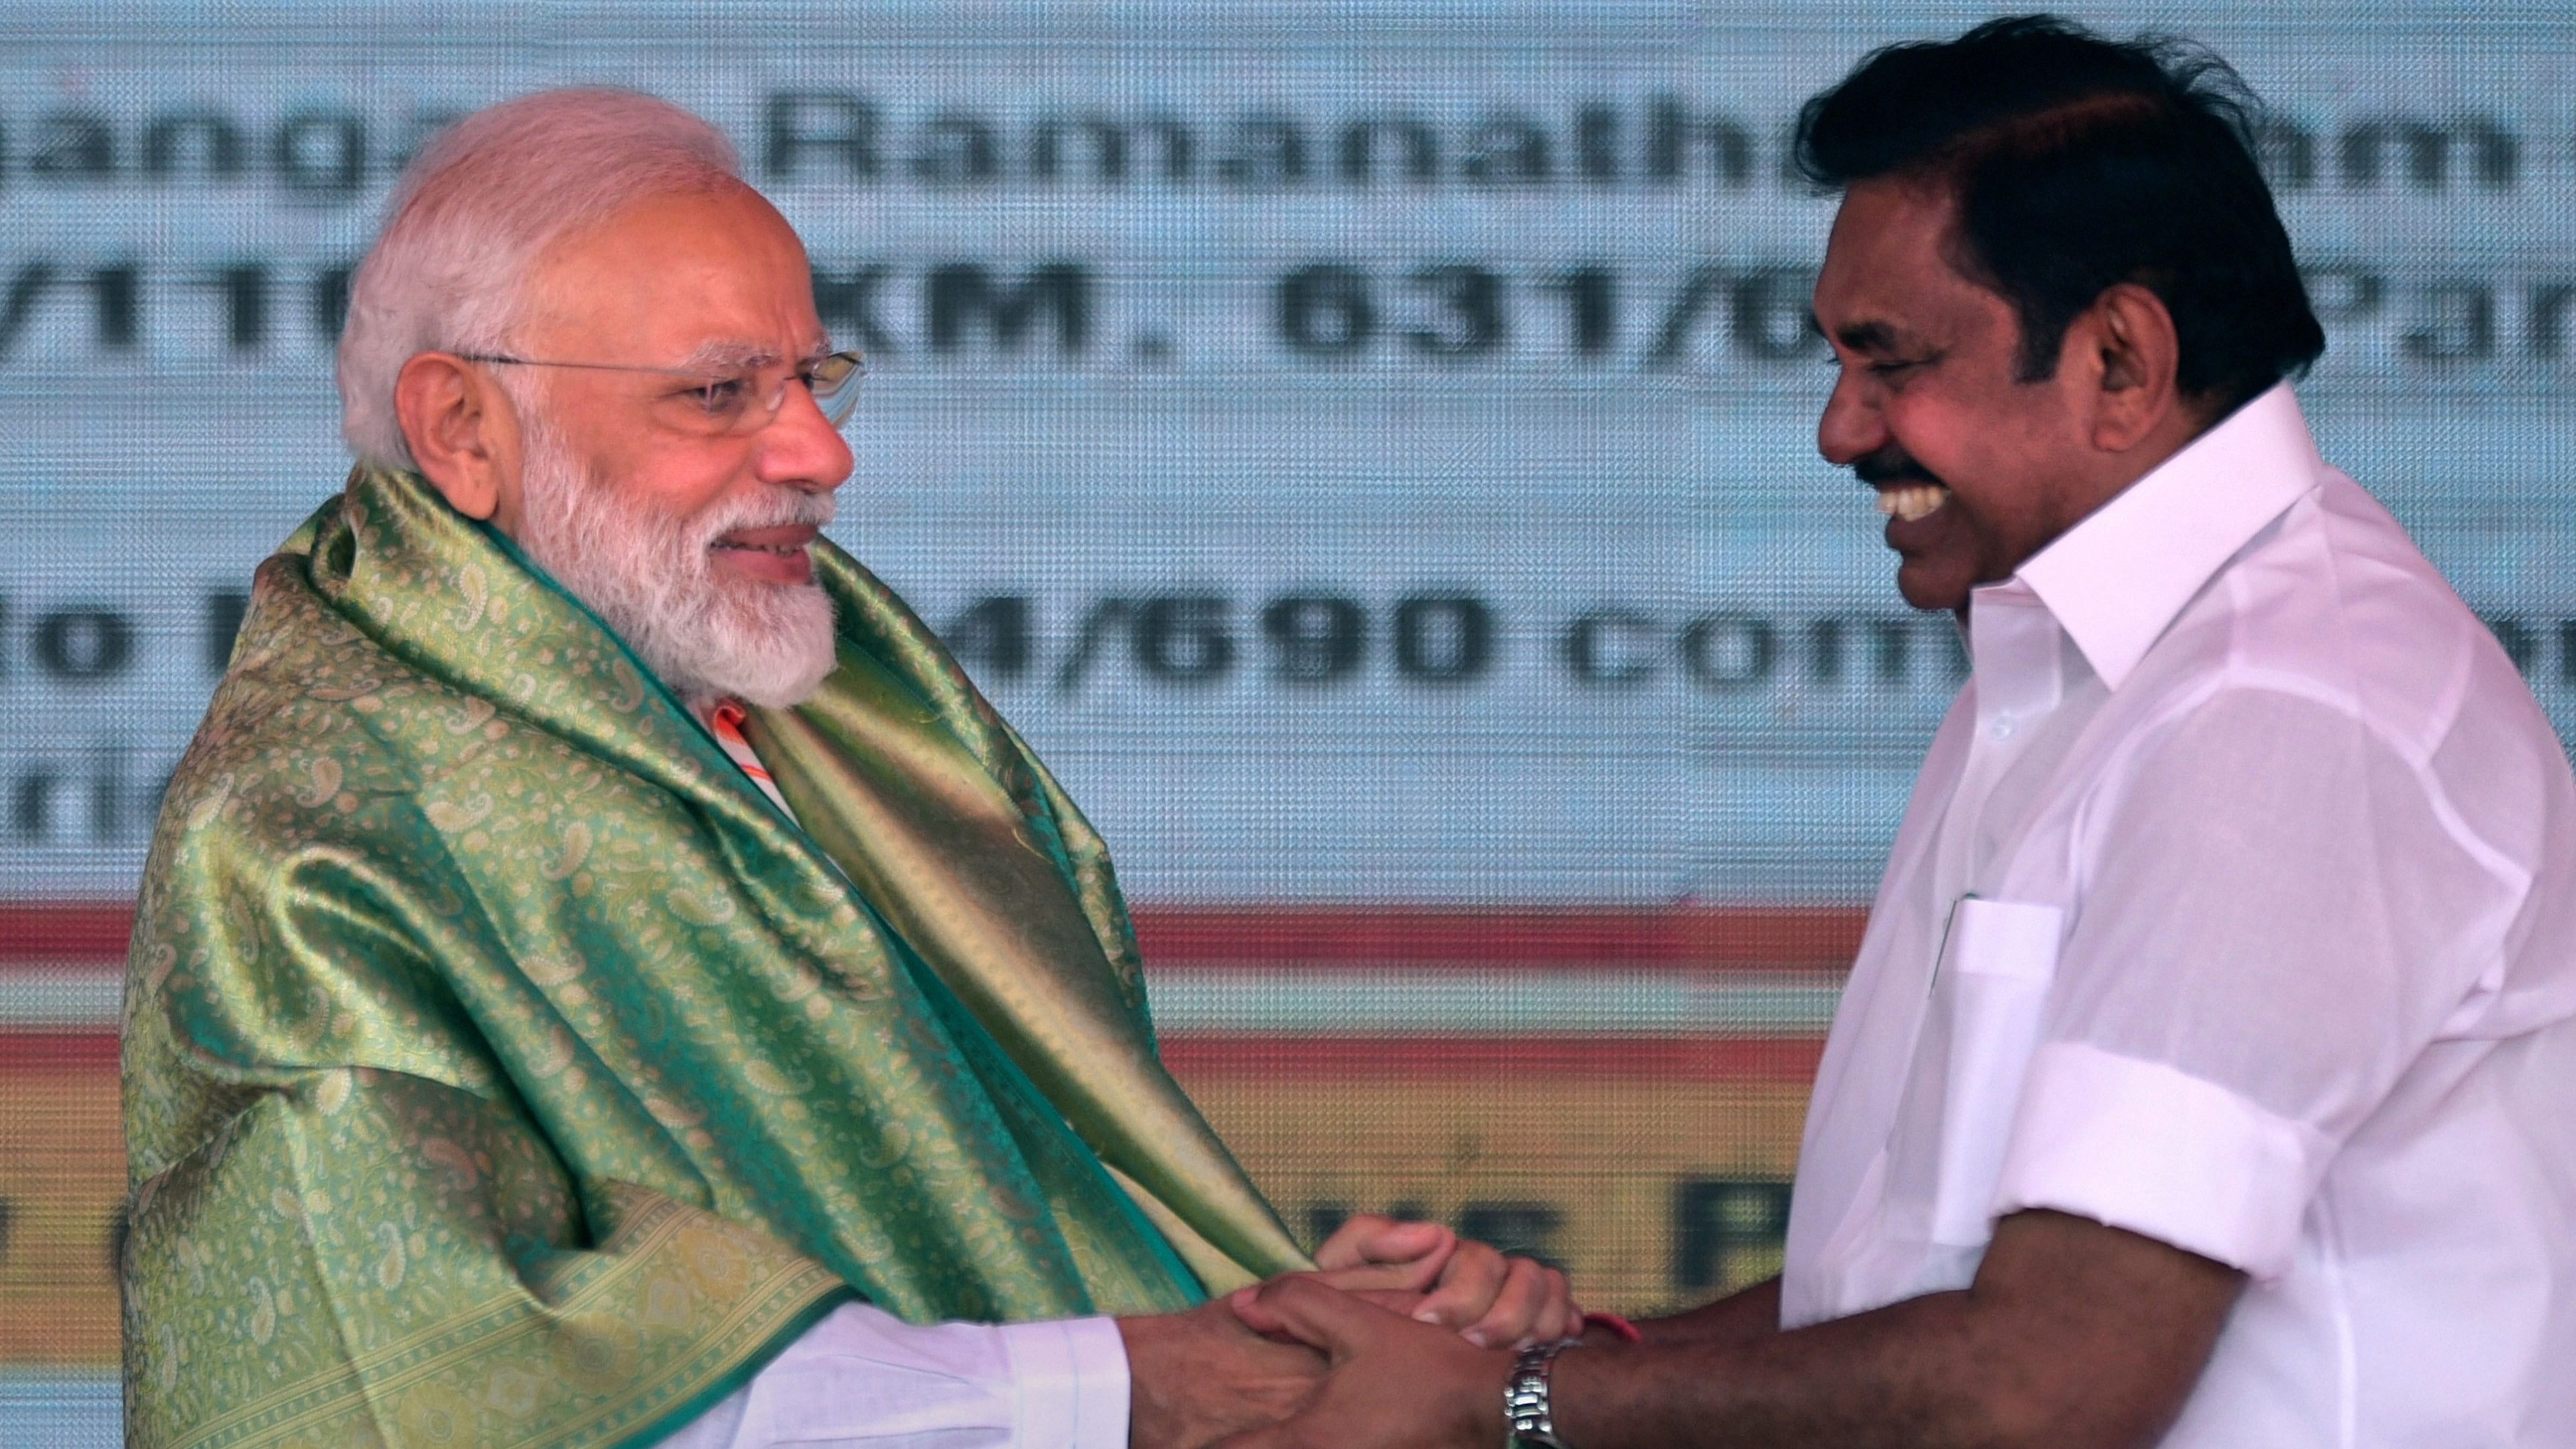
(778, 541)
(1910, 502)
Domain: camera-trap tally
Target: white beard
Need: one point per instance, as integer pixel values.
(651, 578)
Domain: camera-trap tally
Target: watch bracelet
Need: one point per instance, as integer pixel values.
(1529, 1417)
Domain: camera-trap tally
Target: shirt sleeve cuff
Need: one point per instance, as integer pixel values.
(1070, 1377)
(2142, 1146)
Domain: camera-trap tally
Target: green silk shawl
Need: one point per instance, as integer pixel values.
(501, 1067)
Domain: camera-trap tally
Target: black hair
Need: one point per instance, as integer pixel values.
(2078, 163)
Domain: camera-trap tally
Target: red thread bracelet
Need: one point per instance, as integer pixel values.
(1617, 1327)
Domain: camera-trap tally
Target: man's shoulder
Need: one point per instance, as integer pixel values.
(2335, 602)
(317, 726)
(304, 686)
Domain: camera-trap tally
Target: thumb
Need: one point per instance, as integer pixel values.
(1369, 1239)
(1300, 1308)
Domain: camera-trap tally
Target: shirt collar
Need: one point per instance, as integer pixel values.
(2115, 581)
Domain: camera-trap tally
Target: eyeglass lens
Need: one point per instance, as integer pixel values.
(835, 385)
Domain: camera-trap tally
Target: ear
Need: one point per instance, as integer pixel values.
(463, 433)
(2130, 353)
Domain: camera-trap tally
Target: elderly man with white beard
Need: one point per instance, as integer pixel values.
(603, 975)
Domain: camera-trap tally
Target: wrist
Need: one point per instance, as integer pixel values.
(1133, 1331)
(1480, 1401)
(1148, 1341)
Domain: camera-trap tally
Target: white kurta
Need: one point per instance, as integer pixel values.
(864, 1379)
(2235, 906)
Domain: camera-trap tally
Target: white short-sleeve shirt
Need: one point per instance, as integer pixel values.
(2235, 906)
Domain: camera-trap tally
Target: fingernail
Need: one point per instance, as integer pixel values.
(1426, 1314)
(1241, 1296)
(1476, 1338)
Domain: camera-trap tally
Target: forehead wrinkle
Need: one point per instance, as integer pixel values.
(726, 354)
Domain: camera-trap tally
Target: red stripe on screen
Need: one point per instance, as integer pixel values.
(1821, 938)
(1825, 938)
(1419, 1058)
(42, 1051)
(65, 930)
(1299, 1059)
(1784, 1059)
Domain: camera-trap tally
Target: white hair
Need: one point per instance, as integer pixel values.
(473, 211)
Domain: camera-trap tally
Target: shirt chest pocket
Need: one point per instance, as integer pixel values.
(1989, 996)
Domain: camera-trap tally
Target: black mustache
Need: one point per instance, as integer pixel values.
(1893, 465)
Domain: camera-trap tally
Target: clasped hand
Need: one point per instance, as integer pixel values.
(1203, 1376)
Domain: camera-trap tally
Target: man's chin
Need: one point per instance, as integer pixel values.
(764, 643)
(1934, 583)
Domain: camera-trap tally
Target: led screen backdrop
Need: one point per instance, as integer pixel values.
(1367, 448)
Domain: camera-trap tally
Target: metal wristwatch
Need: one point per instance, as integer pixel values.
(1528, 1421)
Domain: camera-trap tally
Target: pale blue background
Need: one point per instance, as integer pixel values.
(1223, 464)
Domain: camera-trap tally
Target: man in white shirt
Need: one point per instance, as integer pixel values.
(2207, 1076)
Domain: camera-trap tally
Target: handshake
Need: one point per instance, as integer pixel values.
(1306, 1357)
